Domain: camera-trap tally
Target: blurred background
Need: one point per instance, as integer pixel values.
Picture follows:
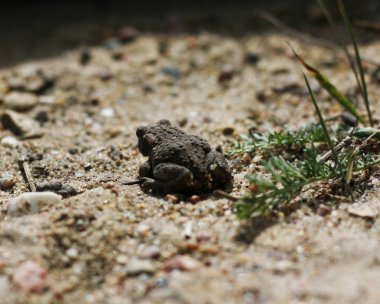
(46, 28)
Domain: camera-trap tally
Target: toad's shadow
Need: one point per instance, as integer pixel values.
(252, 228)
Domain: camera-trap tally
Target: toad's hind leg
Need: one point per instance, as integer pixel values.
(169, 177)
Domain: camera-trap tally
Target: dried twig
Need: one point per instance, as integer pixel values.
(24, 166)
(225, 195)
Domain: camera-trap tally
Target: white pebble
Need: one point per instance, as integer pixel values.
(9, 142)
(19, 101)
(31, 202)
(72, 252)
(107, 112)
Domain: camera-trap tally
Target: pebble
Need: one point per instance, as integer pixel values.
(226, 74)
(42, 117)
(171, 198)
(53, 185)
(251, 58)
(203, 236)
(67, 190)
(138, 266)
(107, 112)
(323, 210)
(20, 101)
(194, 199)
(10, 142)
(87, 166)
(30, 277)
(31, 202)
(171, 72)
(182, 263)
(20, 124)
(349, 119)
(363, 211)
(228, 131)
(7, 181)
(72, 252)
(151, 252)
(122, 259)
(84, 57)
(252, 188)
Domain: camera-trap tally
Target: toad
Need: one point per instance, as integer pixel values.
(178, 162)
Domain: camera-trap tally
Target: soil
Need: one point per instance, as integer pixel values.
(112, 243)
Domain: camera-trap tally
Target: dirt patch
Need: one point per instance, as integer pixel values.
(95, 246)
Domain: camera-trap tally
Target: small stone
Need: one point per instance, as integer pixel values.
(182, 263)
(194, 199)
(32, 202)
(209, 249)
(9, 142)
(171, 72)
(84, 57)
(107, 112)
(228, 131)
(151, 252)
(7, 181)
(67, 190)
(203, 236)
(226, 74)
(142, 230)
(252, 188)
(53, 185)
(20, 124)
(72, 252)
(20, 101)
(363, 211)
(122, 259)
(349, 119)
(137, 266)
(323, 210)
(251, 58)
(30, 277)
(42, 117)
(87, 166)
(171, 198)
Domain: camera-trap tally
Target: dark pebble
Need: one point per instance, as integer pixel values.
(67, 190)
(87, 167)
(251, 58)
(148, 88)
(73, 151)
(161, 282)
(171, 72)
(85, 57)
(226, 75)
(53, 185)
(42, 117)
(349, 119)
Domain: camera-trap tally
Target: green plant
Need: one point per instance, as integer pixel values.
(284, 180)
(254, 141)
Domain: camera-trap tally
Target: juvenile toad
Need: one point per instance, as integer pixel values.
(179, 163)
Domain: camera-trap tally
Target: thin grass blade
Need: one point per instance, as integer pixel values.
(330, 88)
(359, 64)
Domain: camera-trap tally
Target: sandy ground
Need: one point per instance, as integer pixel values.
(114, 244)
